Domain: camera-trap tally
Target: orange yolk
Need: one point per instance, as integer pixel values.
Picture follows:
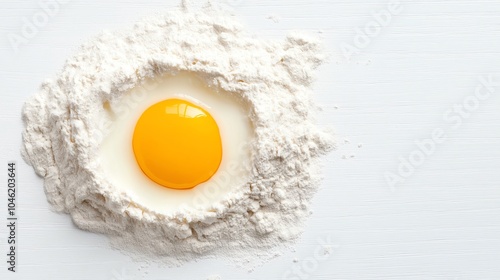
(177, 144)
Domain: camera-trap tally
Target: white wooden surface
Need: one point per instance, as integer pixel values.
(443, 222)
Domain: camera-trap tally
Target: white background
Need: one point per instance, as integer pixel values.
(442, 222)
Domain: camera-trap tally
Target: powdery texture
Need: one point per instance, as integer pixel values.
(63, 131)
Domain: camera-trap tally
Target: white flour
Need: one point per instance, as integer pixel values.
(64, 128)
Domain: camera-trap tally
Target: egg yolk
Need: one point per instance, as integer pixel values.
(177, 144)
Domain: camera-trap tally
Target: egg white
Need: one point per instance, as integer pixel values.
(118, 160)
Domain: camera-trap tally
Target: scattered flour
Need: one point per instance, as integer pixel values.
(274, 17)
(64, 127)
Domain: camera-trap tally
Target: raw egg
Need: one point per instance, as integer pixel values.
(175, 142)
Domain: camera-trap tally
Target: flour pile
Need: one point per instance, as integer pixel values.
(64, 127)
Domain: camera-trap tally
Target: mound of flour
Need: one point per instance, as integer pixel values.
(64, 127)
